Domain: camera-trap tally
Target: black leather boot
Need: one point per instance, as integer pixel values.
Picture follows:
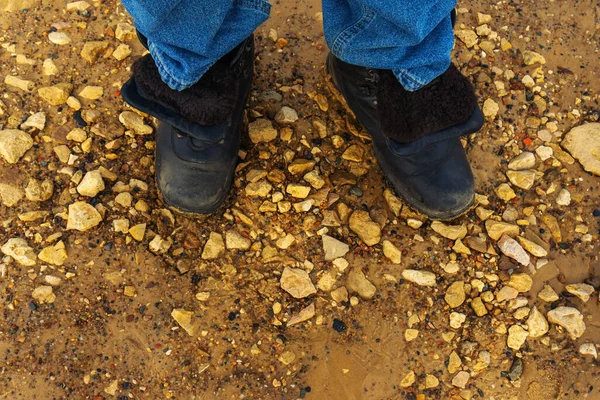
(416, 135)
(198, 137)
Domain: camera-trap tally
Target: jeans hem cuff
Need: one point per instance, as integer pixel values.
(408, 81)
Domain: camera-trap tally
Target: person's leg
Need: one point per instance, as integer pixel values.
(195, 81)
(185, 38)
(391, 63)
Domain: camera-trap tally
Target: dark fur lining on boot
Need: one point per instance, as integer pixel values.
(208, 102)
(407, 116)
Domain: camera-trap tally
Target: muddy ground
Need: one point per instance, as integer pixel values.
(107, 330)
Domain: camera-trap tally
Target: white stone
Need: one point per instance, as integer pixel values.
(570, 319)
(91, 184)
(421, 278)
(20, 251)
(82, 216)
(13, 144)
(525, 160)
(581, 290)
(583, 142)
(536, 323)
(297, 282)
(588, 349)
(516, 337)
(511, 248)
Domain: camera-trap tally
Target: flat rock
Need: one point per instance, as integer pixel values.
(588, 349)
(358, 283)
(548, 294)
(297, 191)
(158, 245)
(581, 290)
(533, 248)
(214, 246)
(451, 232)
(137, 232)
(521, 179)
(511, 248)
(490, 108)
(467, 36)
(301, 166)
(421, 278)
(297, 282)
(537, 323)
(56, 95)
(261, 130)
(478, 307)
(13, 144)
(507, 293)
(455, 294)
(82, 216)
(20, 251)
(505, 192)
(496, 229)
(91, 184)
(392, 252)
(91, 92)
(125, 32)
(393, 202)
(261, 188)
(37, 121)
(583, 142)
(10, 195)
(59, 38)
(461, 379)
(304, 315)
(366, 229)
(570, 319)
(531, 57)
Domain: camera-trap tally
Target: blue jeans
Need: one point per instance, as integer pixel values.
(413, 38)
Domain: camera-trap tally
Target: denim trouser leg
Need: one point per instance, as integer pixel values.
(186, 37)
(412, 38)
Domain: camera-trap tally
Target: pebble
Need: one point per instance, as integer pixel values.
(358, 283)
(583, 142)
(521, 179)
(124, 199)
(186, 319)
(531, 57)
(121, 225)
(286, 115)
(478, 307)
(55, 255)
(91, 92)
(455, 294)
(214, 246)
(483, 18)
(451, 232)
(533, 248)
(235, 241)
(297, 191)
(37, 121)
(588, 349)
(496, 229)
(520, 281)
(135, 122)
(537, 323)
(137, 232)
(287, 357)
(408, 380)
(10, 195)
(20, 251)
(490, 108)
(506, 293)
(505, 192)
(333, 248)
(467, 36)
(39, 191)
(340, 295)
(457, 319)
(563, 198)
(581, 290)
(91, 51)
(258, 189)
(301, 166)
(393, 202)
(91, 184)
(525, 160)
(461, 379)
(56, 95)
(354, 153)
(158, 245)
(16, 82)
(82, 216)
(49, 68)
(511, 248)
(304, 315)
(516, 337)
(516, 369)
(570, 319)
(14, 144)
(366, 229)
(297, 282)
(314, 179)
(421, 278)
(544, 152)
(261, 130)
(59, 38)
(78, 6)
(392, 252)
(454, 362)
(122, 52)
(548, 294)
(44, 294)
(125, 32)
(431, 381)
